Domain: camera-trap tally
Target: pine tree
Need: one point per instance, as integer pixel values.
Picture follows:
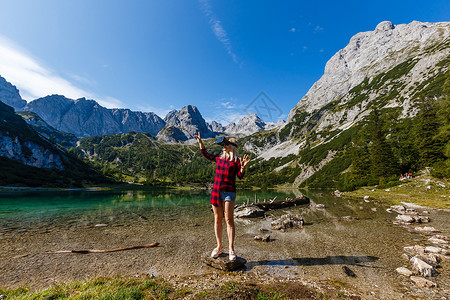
(429, 145)
(382, 162)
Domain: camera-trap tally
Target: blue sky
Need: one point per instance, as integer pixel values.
(162, 55)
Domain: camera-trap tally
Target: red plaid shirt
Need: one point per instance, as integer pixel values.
(225, 179)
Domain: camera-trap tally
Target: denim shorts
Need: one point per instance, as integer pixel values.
(227, 196)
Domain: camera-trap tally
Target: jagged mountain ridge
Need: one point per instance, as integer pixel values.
(84, 118)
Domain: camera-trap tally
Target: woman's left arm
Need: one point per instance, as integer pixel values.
(242, 165)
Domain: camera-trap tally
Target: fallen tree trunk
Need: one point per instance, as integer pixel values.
(282, 204)
(105, 251)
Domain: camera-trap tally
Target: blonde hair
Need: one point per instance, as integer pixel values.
(233, 154)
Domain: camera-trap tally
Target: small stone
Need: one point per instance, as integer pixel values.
(398, 208)
(414, 249)
(348, 218)
(421, 219)
(405, 219)
(426, 229)
(320, 206)
(442, 237)
(404, 271)
(101, 225)
(373, 209)
(262, 238)
(431, 259)
(438, 241)
(366, 198)
(425, 212)
(422, 268)
(432, 249)
(422, 282)
(387, 190)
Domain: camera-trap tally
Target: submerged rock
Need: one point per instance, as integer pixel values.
(262, 238)
(422, 282)
(222, 262)
(426, 229)
(288, 221)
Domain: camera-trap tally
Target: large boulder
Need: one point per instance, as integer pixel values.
(250, 211)
(223, 263)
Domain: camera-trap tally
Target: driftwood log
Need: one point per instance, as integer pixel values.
(282, 204)
(105, 251)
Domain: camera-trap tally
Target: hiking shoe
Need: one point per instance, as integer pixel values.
(216, 253)
(232, 255)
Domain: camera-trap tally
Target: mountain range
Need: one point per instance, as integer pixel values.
(83, 118)
(381, 108)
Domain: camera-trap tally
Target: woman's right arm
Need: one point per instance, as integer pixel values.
(203, 149)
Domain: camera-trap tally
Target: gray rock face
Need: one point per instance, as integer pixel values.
(215, 127)
(18, 141)
(222, 262)
(246, 126)
(84, 117)
(183, 124)
(9, 95)
(29, 153)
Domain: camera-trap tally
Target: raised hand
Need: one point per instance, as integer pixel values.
(197, 136)
(199, 140)
(244, 160)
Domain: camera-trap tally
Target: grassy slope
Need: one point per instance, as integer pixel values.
(231, 287)
(422, 190)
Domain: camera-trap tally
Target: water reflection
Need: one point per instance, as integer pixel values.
(21, 209)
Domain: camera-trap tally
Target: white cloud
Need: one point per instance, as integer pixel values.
(292, 29)
(218, 29)
(318, 29)
(34, 80)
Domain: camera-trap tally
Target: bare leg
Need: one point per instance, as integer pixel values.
(229, 219)
(218, 217)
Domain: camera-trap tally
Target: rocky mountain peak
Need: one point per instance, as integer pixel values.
(371, 53)
(183, 124)
(9, 95)
(246, 126)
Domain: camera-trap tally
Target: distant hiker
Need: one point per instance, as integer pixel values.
(229, 165)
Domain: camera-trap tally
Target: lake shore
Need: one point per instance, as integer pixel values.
(422, 190)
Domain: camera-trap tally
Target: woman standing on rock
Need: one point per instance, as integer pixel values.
(229, 165)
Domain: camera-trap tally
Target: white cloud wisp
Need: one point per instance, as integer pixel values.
(35, 81)
(217, 28)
